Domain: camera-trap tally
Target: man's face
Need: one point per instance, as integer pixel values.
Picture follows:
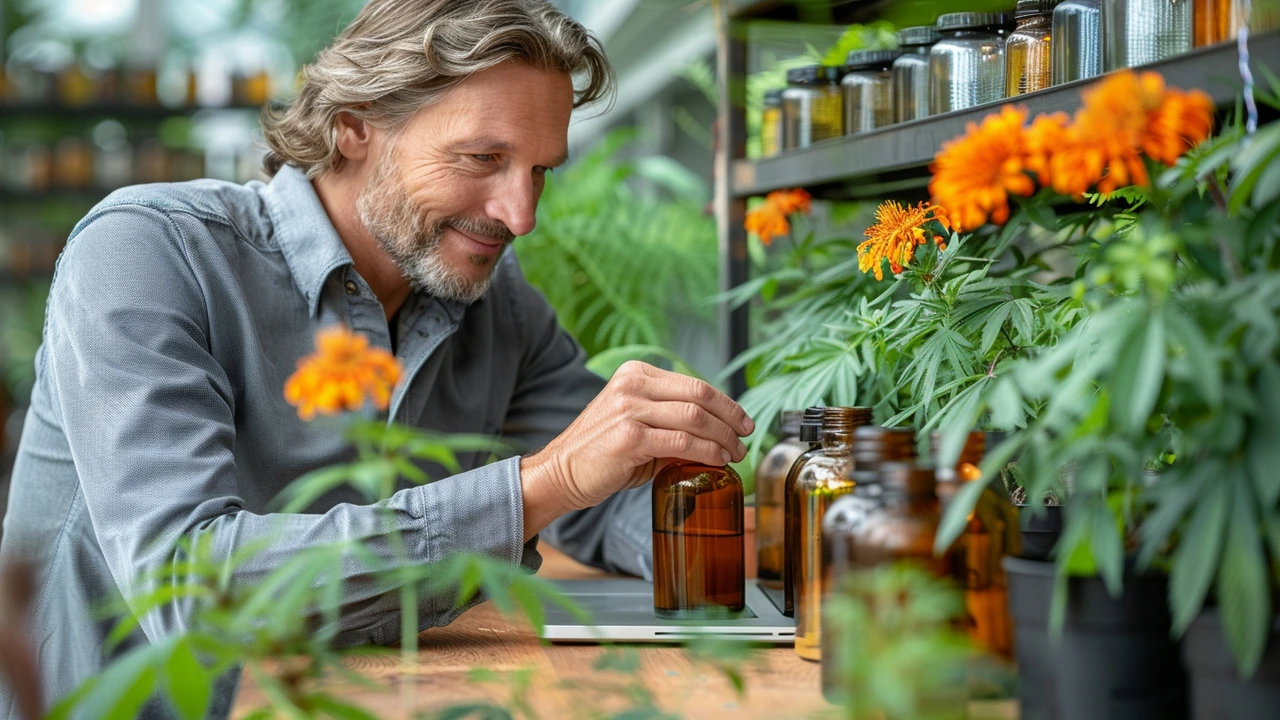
(456, 184)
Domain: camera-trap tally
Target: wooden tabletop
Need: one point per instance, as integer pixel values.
(561, 679)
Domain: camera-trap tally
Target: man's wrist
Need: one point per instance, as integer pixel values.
(544, 491)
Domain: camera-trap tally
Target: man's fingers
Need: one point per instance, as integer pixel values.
(664, 443)
(693, 419)
(660, 385)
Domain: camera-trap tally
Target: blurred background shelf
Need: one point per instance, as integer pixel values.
(894, 159)
(120, 111)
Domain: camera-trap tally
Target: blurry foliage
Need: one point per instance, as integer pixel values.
(624, 249)
(305, 27)
(21, 328)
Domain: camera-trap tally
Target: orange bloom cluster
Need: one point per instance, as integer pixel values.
(1121, 119)
(342, 373)
(770, 219)
(897, 232)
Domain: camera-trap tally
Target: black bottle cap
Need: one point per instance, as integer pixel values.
(814, 75)
(871, 59)
(773, 97)
(811, 424)
(918, 35)
(952, 22)
(1027, 8)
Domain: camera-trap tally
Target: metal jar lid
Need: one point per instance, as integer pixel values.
(1027, 8)
(814, 75)
(773, 97)
(870, 59)
(952, 22)
(918, 35)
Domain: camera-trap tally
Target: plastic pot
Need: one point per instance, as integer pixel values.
(1217, 692)
(1040, 532)
(1114, 658)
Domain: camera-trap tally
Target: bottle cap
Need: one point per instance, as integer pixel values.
(951, 22)
(918, 35)
(773, 97)
(814, 75)
(1027, 8)
(870, 59)
(811, 424)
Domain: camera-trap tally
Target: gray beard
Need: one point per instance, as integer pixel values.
(413, 244)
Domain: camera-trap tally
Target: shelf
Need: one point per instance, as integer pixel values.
(9, 278)
(892, 159)
(842, 11)
(86, 195)
(122, 110)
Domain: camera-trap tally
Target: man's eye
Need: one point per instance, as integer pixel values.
(484, 158)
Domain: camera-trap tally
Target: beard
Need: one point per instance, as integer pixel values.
(412, 240)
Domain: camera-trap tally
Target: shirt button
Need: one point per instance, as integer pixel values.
(352, 289)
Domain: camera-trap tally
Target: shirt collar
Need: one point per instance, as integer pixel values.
(308, 240)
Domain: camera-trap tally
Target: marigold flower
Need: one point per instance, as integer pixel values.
(897, 232)
(973, 175)
(341, 375)
(770, 219)
(1047, 134)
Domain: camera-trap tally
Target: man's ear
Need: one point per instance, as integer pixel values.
(353, 137)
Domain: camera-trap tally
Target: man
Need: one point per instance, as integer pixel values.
(413, 157)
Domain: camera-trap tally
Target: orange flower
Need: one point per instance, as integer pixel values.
(770, 219)
(1047, 134)
(1122, 117)
(973, 175)
(340, 375)
(897, 232)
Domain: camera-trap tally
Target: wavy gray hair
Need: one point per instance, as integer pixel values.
(398, 56)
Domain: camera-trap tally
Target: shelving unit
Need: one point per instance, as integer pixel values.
(889, 161)
(121, 111)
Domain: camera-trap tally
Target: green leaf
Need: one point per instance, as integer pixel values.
(1199, 353)
(338, 709)
(1262, 452)
(607, 363)
(1244, 592)
(991, 330)
(472, 711)
(529, 602)
(189, 684)
(956, 516)
(1139, 374)
(1041, 215)
(1108, 547)
(1195, 562)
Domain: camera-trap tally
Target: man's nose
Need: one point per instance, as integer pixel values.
(515, 205)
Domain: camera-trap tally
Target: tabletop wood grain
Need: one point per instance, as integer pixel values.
(561, 679)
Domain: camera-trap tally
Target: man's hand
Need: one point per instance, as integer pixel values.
(642, 420)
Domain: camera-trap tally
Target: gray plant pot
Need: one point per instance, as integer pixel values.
(1217, 692)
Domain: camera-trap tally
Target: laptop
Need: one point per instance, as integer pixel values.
(621, 610)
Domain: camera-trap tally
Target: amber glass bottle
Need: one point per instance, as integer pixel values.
(771, 478)
(901, 527)
(990, 534)
(698, 559)
(1028, 50)
(811, 433)
(827, 476)
(1215, 21)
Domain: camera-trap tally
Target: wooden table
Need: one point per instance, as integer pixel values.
(563, 683)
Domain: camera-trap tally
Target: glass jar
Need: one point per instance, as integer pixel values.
(1077, 40)
(990, 534)
(72, 163)
(1137, 32)
(825, 477)
(811, 433)
(1027, 52)
(1216, 21)
(868, 90)
(966, 67)
(902, 527)
(771, 478)
(771, 124)
(812, 106)
(698, 559)
(911, 73)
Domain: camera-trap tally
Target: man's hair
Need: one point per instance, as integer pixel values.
(398, 56)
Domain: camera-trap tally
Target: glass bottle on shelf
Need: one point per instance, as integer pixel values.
(1027, 52)
(698, 557)
(1077, 40)
(966, 67)
(812, 106)
(911, 73)
(810, 432)
(75, 86)
(902, 527)
(873, 445)
(868, 90)
(113, 159)
(771, 124)
(1216, 21)
(771, 478)
(1137, 32)
(824, 478)
(990, 534)
(72, 163)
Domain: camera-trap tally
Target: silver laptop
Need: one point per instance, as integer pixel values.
(621, 610)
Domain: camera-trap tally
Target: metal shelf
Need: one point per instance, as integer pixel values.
(895, 158)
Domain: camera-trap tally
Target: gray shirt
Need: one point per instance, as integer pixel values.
(176, 314)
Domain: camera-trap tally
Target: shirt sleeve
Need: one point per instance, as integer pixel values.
(149, 416)
(553, 388)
